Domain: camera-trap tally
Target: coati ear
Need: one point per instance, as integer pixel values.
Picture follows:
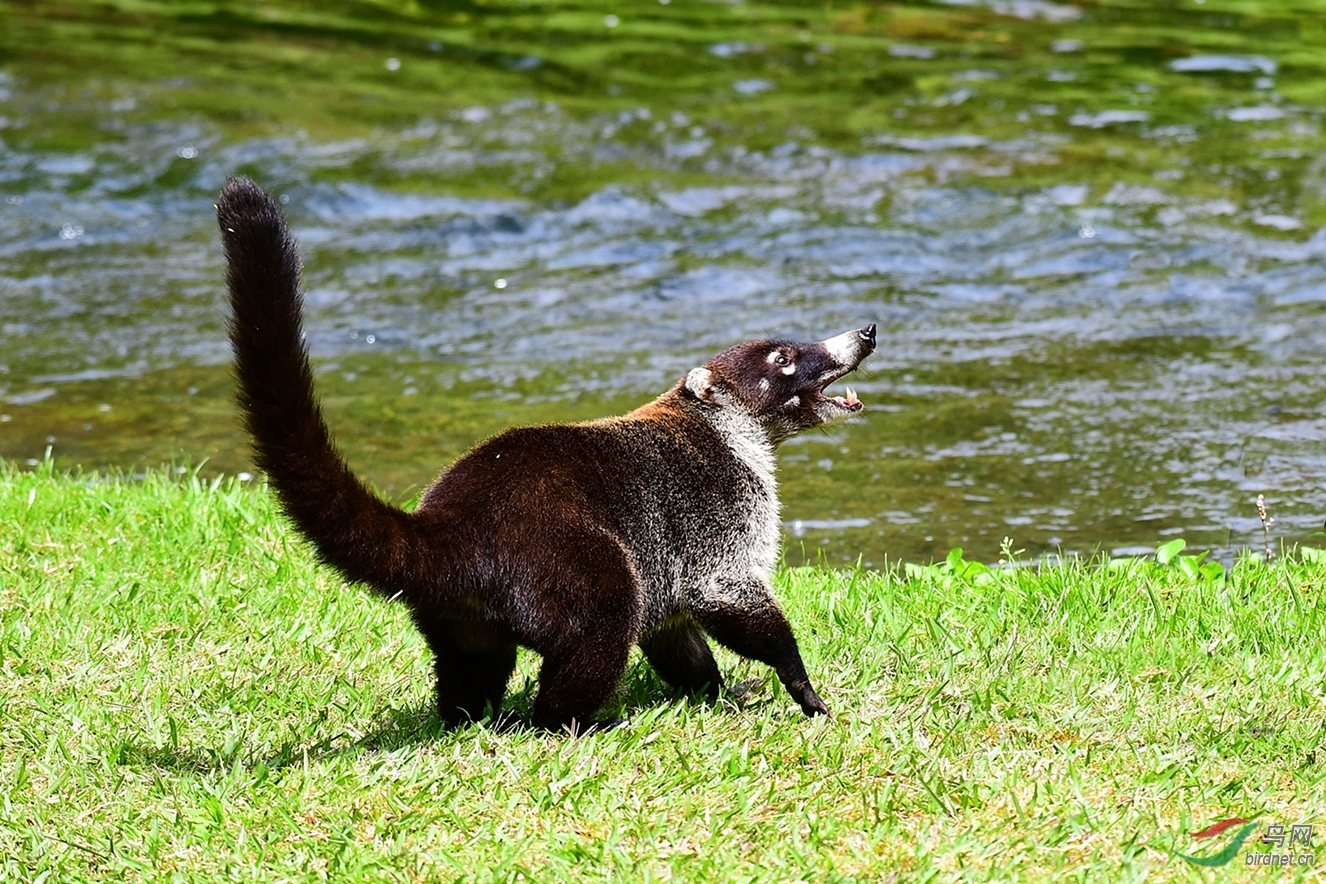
(700, 381)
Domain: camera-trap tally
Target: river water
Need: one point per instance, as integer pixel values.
(1101, 322)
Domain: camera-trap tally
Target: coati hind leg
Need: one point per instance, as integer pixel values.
(573, 685)
(595, 621)
(744, 617)
(681, 656)
(473, 666)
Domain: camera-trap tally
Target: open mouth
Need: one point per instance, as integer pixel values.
(847, 402)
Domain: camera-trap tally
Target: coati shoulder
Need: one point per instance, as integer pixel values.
(658, 528)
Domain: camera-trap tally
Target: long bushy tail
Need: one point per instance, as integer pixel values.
(367, 540)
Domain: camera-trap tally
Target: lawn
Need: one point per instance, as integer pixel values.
(185, 695)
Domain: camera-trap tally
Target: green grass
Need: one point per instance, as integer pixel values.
(185, 696)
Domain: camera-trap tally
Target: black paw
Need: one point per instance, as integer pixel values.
(812, 705)
(744, 691)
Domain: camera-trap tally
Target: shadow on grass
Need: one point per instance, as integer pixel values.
(418, 724)
(401, 727)
(174, 758)
(394, 728)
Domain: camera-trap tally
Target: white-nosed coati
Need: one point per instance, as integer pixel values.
(579, 540)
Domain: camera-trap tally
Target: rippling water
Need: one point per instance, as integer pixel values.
(1079, 363)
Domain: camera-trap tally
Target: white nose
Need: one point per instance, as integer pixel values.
(844, 347)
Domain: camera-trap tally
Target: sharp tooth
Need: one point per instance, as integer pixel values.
(851, 394)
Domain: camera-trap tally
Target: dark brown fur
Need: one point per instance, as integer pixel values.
(577, 541)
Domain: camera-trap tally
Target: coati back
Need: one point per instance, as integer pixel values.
(578, 540)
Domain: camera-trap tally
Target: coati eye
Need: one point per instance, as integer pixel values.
(780, 359)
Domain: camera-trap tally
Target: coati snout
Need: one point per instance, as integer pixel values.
(658, 528)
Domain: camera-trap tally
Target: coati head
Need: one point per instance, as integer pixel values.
(781, 383)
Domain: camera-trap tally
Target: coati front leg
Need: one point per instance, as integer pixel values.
(745, 617)
(681, 656)
(473, 666)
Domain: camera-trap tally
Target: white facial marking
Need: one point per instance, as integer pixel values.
(698, 381)
(793, 402)
(764, 383)
(842, 347)
(774, 357)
